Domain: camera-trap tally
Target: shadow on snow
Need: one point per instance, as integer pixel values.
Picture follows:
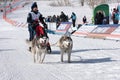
(98, 60)
(83, 50)
(1, 50)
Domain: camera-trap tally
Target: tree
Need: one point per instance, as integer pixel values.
(62, 2)
(67, 2)
(93, 3)
(82, 2)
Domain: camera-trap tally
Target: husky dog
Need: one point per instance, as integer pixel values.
(65, 44)
(38, 48)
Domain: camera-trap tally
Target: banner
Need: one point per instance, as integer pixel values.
(105, 29)
(64, 26)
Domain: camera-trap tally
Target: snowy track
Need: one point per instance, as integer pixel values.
(92, 59)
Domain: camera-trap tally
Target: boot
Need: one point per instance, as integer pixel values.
(49, 48)
(30, 49)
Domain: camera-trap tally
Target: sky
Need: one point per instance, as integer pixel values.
(91, 59)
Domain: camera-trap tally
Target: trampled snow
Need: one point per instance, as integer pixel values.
(92, 59)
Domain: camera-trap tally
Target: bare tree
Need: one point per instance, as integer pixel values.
(67, 2)
(59, 2)
(93, 3)
(103, 1)
(62, 2)
(82, 2)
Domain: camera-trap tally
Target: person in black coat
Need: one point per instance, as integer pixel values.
(99, 18)
(33, 19)
(63, 17)
(84, 19)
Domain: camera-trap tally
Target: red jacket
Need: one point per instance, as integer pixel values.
(39, 31)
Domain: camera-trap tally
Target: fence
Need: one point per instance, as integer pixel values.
(12, 6)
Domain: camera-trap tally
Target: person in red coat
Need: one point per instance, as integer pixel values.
(40, 32)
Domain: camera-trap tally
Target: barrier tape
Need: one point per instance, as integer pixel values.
(9, 10)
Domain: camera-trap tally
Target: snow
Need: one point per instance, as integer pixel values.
(92, 59)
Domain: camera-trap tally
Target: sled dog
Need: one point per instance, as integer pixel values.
(65, 44)
(38, 48)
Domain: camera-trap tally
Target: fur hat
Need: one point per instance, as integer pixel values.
(34, 5)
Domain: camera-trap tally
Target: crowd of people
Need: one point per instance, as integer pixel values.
(61, 18)
(64, 18)
(100, 18)
(57, 18)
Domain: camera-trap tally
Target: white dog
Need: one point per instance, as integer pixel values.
(65, 44)
(38, 48)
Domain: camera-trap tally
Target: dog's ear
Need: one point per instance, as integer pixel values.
(61, 38)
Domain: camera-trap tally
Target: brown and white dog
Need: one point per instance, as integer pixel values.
(65, 44)
(38, 48)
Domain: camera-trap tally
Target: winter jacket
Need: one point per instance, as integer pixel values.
(73, 16)
(34, 18)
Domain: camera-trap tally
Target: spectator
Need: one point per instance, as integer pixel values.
(84, 20)
(115, 16)
(54, 18)
(57, 21)
(48, 19)
(73, 17)
(63, 17)
(99, 18)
